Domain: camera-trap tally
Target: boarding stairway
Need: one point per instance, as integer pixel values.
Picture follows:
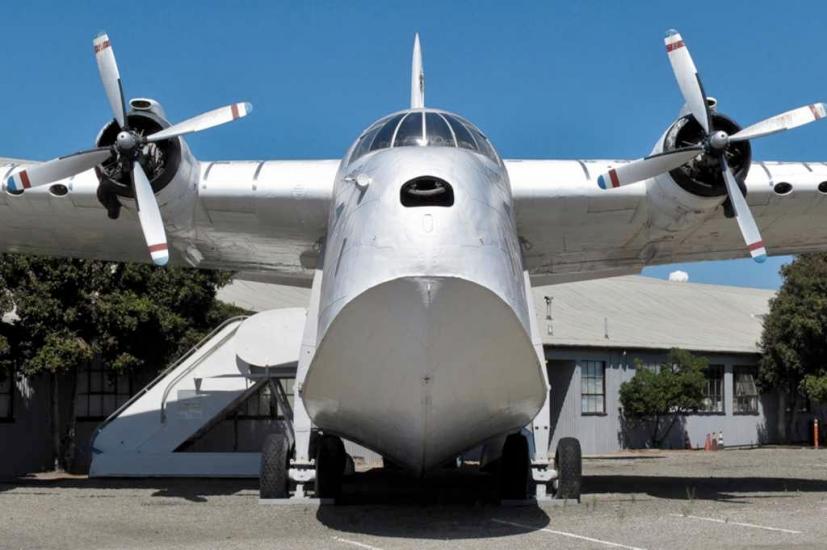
(148, 435)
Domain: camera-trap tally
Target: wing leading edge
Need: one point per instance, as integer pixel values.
(572, 230)
(266, 217)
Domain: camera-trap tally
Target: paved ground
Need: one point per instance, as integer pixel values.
(769, 498)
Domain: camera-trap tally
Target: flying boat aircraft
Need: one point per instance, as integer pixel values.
(421, 246)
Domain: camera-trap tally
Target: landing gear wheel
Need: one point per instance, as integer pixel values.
(330, 467)
(569, 463)
(274, 457)
(515, 468)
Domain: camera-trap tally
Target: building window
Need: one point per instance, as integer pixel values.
(714, 391)
(100, 392)
(592, 387)
(746, 393)
(264, 405)
(6, 396)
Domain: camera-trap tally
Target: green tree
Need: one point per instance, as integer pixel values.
(794, 340)
(69, 312)
(127, 315)
(657, 398)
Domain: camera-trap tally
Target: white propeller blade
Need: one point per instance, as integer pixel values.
(110, 77)
(688, 80)
(216, 117)
(746, 223)
(150, 216)
(784, 121)
(57, 169)
(646, 168)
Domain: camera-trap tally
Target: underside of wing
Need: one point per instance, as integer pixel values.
(571, 229)
(263, 218)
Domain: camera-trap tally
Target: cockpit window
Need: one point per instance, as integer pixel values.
(364, 142)
(385, 135)
(464, 137)
(438, 132)
(423, 128)
(411, 131)
(483, 144)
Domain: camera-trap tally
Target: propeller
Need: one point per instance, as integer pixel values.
(127, 150)
(714, 142)
(648, 167)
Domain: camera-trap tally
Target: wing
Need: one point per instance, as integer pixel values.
(265, 219)
(571, 229)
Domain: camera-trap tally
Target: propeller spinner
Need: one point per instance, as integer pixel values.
(127, 150)
(714, 142)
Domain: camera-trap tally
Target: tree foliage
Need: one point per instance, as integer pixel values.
(794, 341)
(69, 311)
(658, 397)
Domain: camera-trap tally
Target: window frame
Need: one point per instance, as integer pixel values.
(89, 394)
(721, 379)
(244, 411)
(583, 364)
(755, 410)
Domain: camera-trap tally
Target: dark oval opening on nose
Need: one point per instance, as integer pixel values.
(426, 191)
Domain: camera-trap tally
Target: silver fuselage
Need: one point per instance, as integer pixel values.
(424, 342)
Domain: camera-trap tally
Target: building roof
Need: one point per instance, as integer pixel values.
(633, 312)
(642, 312)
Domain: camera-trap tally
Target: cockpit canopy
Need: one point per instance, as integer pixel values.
(423, 127)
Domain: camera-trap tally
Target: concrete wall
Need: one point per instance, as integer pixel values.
(608, 432)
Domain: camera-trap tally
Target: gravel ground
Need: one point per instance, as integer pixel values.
(769, 498)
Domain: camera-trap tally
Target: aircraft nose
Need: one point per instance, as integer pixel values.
(421, 368)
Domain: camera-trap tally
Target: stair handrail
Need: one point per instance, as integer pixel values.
(171, 367)
(180, 376)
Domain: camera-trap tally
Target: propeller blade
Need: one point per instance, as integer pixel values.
(150, 216)
(688, 80)
(646, 168)
(110, 77)
(780, 123)
(216, 117)
(57, 169)
(746, 223)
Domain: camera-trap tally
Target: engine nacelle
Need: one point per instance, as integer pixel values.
(690, 192)
(169, 164)
(703, 177)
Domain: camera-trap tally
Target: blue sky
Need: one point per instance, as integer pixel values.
(543, 79)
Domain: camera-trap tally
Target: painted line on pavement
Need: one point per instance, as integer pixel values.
(740, 523)
(565, 534)
(356, 543)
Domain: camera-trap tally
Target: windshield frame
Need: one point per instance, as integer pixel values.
(389, 127)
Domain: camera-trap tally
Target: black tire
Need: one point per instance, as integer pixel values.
(313, 447)
(274, 458)
(350, 466)
(515, 468)
(330, 467)
(569, 462)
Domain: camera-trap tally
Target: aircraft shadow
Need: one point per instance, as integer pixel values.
(448, 505)
(727, 489)
(191, 490)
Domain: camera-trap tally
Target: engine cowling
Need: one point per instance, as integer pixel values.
(164, 161)
(702, 176)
